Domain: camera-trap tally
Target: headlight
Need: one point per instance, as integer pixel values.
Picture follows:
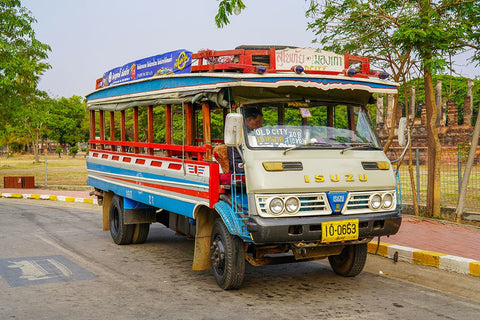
(276, 206)
(375, 201)
(387, 200)
(292, 205)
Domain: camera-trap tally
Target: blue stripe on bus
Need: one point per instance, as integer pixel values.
(134, 174)
(169, 204)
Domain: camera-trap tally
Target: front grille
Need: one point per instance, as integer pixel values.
(313, 203)
(310, 204)
(357, 201)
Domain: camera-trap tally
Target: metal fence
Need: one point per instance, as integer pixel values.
(452, 169)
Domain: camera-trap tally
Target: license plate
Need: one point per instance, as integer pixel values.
(342, 230)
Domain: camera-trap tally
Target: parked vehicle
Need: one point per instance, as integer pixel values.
(309, 181)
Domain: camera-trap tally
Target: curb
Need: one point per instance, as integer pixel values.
(48, 197)
(426, 258)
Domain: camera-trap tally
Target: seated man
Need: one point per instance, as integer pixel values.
(253, 120)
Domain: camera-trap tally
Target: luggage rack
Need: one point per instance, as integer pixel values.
(262, 60)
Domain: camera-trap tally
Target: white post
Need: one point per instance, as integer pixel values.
(45, 152)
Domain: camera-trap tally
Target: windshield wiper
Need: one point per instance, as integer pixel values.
(322, 144)
(359, 146)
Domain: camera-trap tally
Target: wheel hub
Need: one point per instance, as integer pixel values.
(217, 255)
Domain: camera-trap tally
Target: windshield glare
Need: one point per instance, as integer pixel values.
(311, 126)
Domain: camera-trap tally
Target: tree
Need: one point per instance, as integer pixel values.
(225, 9)
(437, 30)
(22, 58)
(31, 119)
(67, 123)
(428, 30)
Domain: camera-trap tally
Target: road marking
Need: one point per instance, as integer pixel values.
(27, 271)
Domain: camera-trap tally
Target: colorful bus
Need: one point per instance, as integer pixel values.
(259, 154)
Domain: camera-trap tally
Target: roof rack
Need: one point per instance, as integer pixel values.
(272, 59)
(263, 60)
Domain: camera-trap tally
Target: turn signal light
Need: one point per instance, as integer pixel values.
(273, 166)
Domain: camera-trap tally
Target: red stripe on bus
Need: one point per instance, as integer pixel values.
(189, 192)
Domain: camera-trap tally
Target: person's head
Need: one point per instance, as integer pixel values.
(253, 118)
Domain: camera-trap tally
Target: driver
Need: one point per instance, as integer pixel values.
(253, 120)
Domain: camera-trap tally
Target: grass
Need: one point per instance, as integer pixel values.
(448, 186)
(62, 173)
(71, 173)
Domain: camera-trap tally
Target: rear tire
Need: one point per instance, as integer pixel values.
(140, 233)
(351, 261)
(227, 257)
(121, 233)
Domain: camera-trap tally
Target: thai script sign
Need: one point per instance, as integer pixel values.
(174, 62)
(309, 59)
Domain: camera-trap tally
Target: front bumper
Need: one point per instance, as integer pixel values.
(296, 229)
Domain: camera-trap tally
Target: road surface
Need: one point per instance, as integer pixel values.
(57, 263)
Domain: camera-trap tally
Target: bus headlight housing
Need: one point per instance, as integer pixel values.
(387, 200)
(375, 201)
(276, 206)
(292, 205)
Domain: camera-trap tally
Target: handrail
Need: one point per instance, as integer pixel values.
(200, 151)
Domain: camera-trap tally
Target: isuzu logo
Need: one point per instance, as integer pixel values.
(319, 178)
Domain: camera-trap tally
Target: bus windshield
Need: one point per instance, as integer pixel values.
(311, 125)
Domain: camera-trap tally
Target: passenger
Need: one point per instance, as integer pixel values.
(253, 120)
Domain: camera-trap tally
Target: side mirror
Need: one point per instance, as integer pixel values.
(402, 130)
(233, 129)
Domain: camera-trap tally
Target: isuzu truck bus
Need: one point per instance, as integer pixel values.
(170, 142)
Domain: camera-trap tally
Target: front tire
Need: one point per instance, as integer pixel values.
(227, 257)
(351, 261)
(121, 233)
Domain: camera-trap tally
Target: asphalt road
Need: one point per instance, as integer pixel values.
(57, 263)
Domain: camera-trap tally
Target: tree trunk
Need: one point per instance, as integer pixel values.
(411, 119)
(434, 148)
(35, 143)
(393, 125)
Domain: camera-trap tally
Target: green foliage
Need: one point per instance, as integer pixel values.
(73, 151)
(463, 151)
(363, 28)
(394, 33)
(225, 9)
(453, 88)
(67, 121)
(22, 58)
(59, 152)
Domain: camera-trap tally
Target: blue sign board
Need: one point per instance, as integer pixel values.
(174, 62)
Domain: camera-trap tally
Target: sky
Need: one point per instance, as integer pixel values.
(90, 37)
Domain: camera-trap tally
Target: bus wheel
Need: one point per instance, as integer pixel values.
(140, 233)
(351, 261)
(227, 257)
(121, 233)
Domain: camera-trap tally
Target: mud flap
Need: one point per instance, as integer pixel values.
(201, 256)
(107, 199)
